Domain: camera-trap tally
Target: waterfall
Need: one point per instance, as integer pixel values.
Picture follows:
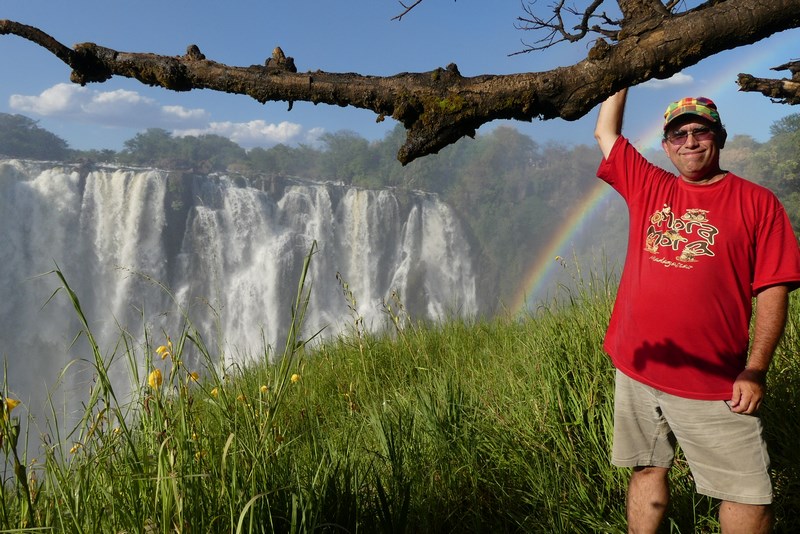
(137, 246)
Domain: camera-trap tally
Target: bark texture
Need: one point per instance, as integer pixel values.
(439, 107)
(784, 91)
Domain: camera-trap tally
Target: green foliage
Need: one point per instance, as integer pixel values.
(349, 159)
(21, 137)
(775, 164)
(148, 146)
(204, 154)
(791, 202)
(783, 171)
(283, 160)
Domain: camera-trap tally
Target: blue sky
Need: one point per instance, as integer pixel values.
(346, 36)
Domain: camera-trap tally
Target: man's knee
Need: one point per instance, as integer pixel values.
(649, 485)
(745, 518)
(650, 472)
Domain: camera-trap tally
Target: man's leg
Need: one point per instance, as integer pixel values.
(735, 518)
(728, 458)
(648, 496)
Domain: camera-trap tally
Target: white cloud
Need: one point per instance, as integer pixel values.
(312, 136)
(57, 100)
(130, 109)
(106, 108)
(676, 79)
(257, 133)
(181, 113)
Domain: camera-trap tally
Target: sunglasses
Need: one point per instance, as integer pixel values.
(679, 137)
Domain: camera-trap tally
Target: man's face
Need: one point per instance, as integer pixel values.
(697, 160)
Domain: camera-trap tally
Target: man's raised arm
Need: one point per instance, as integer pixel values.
(609, 121)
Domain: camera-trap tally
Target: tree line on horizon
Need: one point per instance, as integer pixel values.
(512, 192)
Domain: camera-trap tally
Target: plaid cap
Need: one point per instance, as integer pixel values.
(700, 106)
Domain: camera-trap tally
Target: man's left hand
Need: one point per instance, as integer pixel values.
(748, 391)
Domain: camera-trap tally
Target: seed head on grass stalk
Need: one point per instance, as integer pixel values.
(358, 319)
(394, 309)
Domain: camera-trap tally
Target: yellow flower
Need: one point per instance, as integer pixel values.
(215, 392)
(295, 378)
(194, 376)
(165, 350)
(240, 398)
(155, 379)
(11, 404)
(75, 448)
(264, 389)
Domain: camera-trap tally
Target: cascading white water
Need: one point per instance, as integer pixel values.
(229, 253)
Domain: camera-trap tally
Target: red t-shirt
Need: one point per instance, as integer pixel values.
(697, 254)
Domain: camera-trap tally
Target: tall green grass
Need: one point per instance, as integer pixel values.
(500, 425)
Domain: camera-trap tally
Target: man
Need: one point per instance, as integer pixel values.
(701, 245)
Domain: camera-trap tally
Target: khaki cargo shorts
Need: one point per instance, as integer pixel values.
(725, 451)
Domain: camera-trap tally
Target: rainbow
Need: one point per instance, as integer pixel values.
(543, 270)
(544, 267)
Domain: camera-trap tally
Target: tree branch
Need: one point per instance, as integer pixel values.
(556, 28)
(406, 9)
(639, 10)
(781, 91)
(440, 106)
